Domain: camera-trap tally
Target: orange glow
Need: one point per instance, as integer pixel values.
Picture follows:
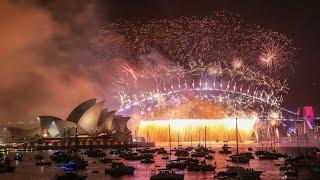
(217, 129)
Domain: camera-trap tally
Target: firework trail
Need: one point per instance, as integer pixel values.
(218, 51)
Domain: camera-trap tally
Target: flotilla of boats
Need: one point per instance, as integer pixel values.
(73, 164)
(194, 159)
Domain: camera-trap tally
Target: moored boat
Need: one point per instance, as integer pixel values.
(239, 172)
(18, 157)
(43, 163)
(119, 169)
(94, 153)
(165, 157)
(162, 151)
(201, 167)
(176, 165)
(208, 156)
(105, 160)
(6, 168)
(147, 161)
(166, 175)
(225, 149)
(69, 176)
(39, 157)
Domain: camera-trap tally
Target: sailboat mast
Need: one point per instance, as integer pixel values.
(148, 144)
(274, 139)
(205, 137)
(169, 143)
(237, 136)
(227, 139)
(297, 130)
(270, 137)
(178, 140)
(307, 149)
(199, 137)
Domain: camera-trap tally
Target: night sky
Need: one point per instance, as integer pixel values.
(47, 67)
(297, 19)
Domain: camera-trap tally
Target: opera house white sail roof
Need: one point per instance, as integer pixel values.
(88, 117)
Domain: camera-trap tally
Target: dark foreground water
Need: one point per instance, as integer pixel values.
(26, 169)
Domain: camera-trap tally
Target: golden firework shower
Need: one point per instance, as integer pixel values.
(193, 129)
(189, 119)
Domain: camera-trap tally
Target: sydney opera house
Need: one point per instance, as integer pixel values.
(87, 120)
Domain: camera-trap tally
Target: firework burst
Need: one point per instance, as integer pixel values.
(218, 52)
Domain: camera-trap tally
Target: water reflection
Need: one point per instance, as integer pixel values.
(26, 169)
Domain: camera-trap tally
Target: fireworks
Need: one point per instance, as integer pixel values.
(215, 70)
(129, 70)
(220, 129)
(268, 58)
(241, 64)
(237, 63)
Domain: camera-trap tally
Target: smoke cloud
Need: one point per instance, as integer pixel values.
(46, 64)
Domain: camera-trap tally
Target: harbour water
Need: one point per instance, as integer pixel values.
(26, 169)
